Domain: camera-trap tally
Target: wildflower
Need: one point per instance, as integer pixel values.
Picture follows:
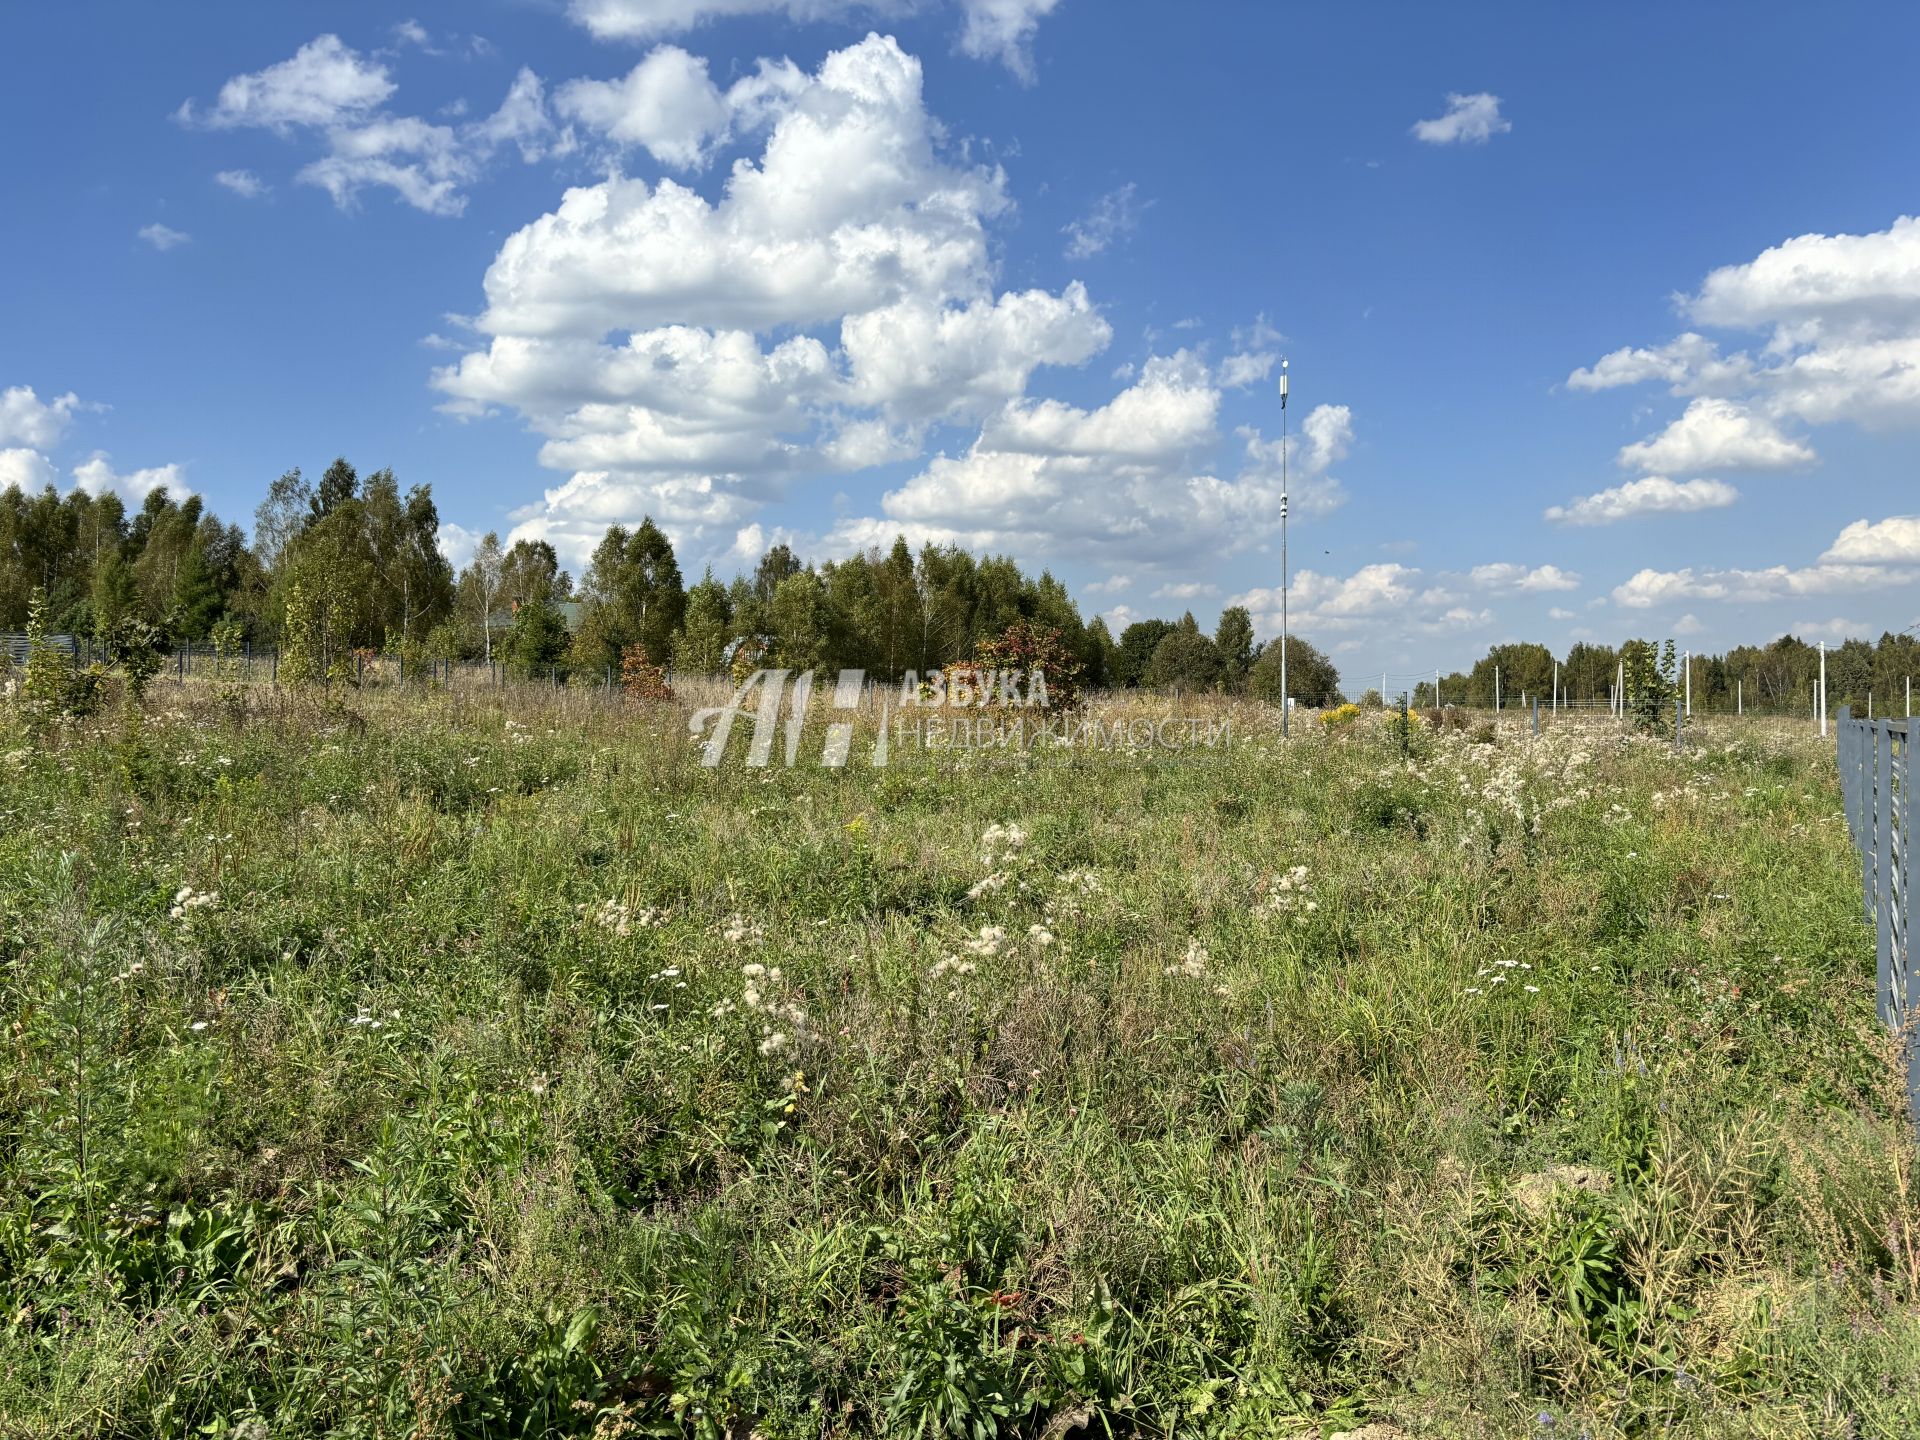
(1040, 935)
(1194, 965)
(988, 942)
(739, 930)
(774, 1043)
(1001, 842)
(988, 884)
(198, 1025)
(187, 900)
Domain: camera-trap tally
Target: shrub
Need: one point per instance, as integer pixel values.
(641, 679)
(1033, 650)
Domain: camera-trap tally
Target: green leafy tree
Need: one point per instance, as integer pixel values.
(47, 687)
(702, 642)
(313, 649)
(1137, 644)
(1184, 660)
(799, 618)
(1649, 685)
(537, 640)
(634, 595)
(1233, 637)
(1311, 676)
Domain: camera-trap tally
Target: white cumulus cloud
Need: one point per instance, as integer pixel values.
(1837, 324)
(1651, 495)
(243, 183)
(330, 91)
(163, 237)
(1000, 30)
(667, 103)
(325, 83)
(1714, 434)
(25, 418)
(28, 469)
(1469, 120)
(1650, 587)
(1531, 580)
(1893, 541)
(97, 477)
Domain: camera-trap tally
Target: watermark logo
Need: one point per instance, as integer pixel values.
(964, 708)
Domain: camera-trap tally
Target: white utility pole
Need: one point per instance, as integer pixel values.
(1687, 684)
(1820, 700)
(1556, 687)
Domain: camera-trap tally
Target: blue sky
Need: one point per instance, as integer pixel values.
(1619, 344)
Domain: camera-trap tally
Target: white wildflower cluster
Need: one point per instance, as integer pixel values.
(1194, 965)
(1001, 843)
(739, 930)
(764, 994)
(1498, 974)
(988, 943)
(991, 940)
(1698, 788)
(1525, 782)
(1000, 846)
(186, 900)
(1287, 893)
(1077, 887)
(619, 918)
(988, 883)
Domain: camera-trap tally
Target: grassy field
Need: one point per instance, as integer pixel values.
(482, 1065)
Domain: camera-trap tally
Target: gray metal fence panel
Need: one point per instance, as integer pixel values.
(1875, 760)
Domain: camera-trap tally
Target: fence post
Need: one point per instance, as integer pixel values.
(1536, 715)
(1678, 741)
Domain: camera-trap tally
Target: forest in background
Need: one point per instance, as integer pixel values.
(360, 558)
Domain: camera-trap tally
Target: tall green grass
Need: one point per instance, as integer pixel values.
(523, 1077)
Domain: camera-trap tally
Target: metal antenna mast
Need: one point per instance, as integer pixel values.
(1286, 696)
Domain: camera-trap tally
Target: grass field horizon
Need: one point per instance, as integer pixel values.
(480, 1063)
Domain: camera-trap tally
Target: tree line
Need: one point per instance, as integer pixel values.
(1777, 678)
(352, 565)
